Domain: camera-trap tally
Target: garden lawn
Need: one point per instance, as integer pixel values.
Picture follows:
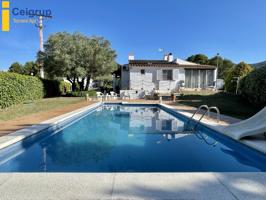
(228, 104)
(37, 106)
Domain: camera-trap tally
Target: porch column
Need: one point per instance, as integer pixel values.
(215, 78)
(199, 80)
(206, 81)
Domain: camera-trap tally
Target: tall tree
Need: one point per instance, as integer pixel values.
(235, 75)
(16, 68)
(61, 57)
(102, 61)
(77, 57)
(30, 68)
(198, 58)
(224, 65)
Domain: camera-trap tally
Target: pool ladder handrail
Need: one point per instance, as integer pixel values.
(218, 114)
(198, 121)
(208, 110)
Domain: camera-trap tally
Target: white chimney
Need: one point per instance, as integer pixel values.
(165, 57)
(131, 57)
(170, 57)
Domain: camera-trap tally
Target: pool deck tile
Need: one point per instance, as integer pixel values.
(125, 186)
(63, 186)
(245, 186)
(169, 186)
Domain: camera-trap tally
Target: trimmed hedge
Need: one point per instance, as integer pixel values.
(16, 88)
(253, 87)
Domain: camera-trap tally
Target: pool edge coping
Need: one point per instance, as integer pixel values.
(19, 135)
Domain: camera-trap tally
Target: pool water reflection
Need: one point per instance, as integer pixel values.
(116, 138)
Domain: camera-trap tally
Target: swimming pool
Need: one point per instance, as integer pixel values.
(130, 138)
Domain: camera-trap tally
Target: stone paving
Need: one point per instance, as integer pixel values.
(131, 186)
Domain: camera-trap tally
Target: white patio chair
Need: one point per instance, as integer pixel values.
(126, 95)
(108, 97)
(113, 95)
(99, 95)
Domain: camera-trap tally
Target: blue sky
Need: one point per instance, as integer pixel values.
(234, 28)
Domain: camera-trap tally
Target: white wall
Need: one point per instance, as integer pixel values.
(140, 81)
(151, 79)
(135, 81)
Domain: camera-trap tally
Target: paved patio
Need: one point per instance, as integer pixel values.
(125, 186)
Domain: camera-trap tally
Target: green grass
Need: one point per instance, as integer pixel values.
(28, 108)
(228, 104)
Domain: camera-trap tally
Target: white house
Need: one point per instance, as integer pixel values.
(169, 74)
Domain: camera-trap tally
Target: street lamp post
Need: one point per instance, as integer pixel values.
(40, 27)
(237, 79)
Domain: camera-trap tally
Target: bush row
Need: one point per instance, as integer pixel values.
(16, 88)
(253, 87)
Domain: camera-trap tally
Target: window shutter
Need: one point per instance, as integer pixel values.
(158, 125)
(174, 125)
(175, 74)
(159, 74)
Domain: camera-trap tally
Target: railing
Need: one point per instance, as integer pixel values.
(205, 139)
(207, 110)
(218, 117)
(199, 109)
(200, 119)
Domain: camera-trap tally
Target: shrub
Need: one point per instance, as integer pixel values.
(16, 88)
(55, 88)
(65, 87)
(253, 87)
(51, 87)
(105, 83)
(239, 71)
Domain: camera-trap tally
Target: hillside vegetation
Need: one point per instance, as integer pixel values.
(259, 65)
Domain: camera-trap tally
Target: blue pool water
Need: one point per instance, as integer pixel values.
(118, 138)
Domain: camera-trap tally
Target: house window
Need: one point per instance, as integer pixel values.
(142, 71)
(199, 78)
(166, 125)
(125, 68)
(167, 75)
